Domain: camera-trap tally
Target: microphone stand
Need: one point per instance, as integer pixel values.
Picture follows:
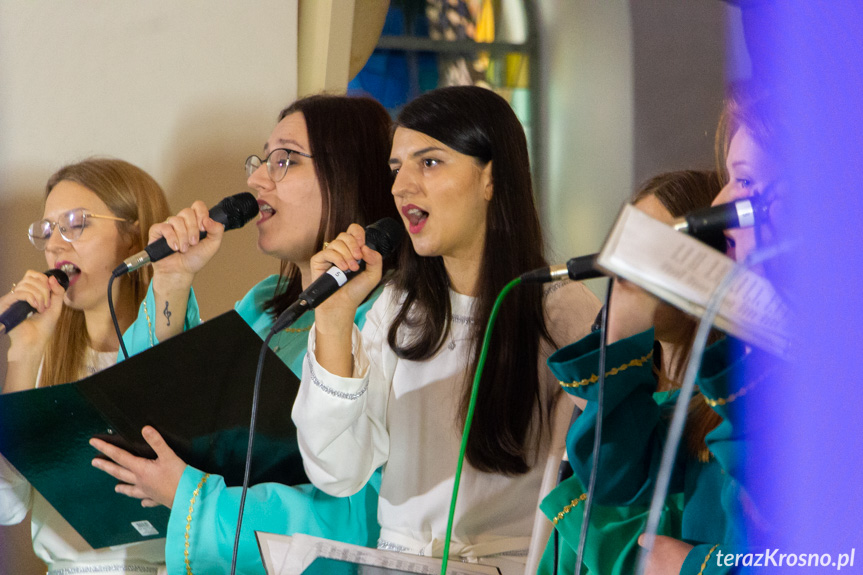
(678, 421)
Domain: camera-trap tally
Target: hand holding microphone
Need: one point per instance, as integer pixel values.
(35, 293)
(356, 252)
(192, 238)
(195, 234)
(185, 230)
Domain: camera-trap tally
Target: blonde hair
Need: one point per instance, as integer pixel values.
(132, 194)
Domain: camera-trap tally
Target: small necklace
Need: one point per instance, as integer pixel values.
(460, 319)
(463, 319)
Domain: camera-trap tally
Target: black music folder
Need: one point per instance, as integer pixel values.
(195, 389)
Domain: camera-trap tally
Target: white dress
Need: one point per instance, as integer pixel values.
(55, 541)
(403, 415)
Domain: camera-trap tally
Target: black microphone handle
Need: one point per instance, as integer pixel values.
(577, 269)
(321, 289)
(160, 249)
(232, 212)
(21, 310)
(583, 268)
(708, 220)
(220, 212)
(383, 236)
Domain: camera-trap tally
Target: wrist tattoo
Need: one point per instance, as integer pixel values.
(167, 313)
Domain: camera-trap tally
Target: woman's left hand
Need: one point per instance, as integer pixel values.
(667, 555)
(153, 481)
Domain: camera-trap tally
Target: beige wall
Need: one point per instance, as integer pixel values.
(589, 115)
(185, 90)
(633, 89)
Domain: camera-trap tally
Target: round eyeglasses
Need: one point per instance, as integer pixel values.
(277, 163)
(71, 225)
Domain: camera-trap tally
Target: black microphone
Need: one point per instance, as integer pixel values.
(383, 236)
(233, 212)
(707, 222)
(21, 310)
(578, 269)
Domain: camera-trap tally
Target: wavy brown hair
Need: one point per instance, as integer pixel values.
(349, 139)
(680, 193)
(132, 194)
(479, 123)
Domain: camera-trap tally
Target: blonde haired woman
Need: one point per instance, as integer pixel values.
(97, 213)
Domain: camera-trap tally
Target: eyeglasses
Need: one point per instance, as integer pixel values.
(277, 163)
(71, 224)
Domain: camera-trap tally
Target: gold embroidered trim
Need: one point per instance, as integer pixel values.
(613, 371)
(706, 559)
(740, 393)
(572, 505)
(730, 398)
(297, 329)
(195, 494)
(149, 324)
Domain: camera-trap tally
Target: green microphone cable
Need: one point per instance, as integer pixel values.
(474, 390)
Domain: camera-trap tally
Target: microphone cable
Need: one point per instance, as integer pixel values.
(247, 473)
(114, 316)
(597, 438)
(486, 343)
(284, 321)
(384, 236)
(681, 408)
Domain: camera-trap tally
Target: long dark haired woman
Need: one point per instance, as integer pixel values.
(324, 166)
(396, 394)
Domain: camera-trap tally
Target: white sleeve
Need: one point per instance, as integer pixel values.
(341, 422)
(16, 494)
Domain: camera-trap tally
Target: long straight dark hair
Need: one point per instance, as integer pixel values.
(479, 123)
(349, 139)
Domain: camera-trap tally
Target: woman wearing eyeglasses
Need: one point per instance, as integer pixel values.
(97, 213)
(324, 166)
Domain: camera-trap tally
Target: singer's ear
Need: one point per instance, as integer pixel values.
(133, 238)
(487, 182)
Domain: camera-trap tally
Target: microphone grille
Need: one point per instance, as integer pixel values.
(235, 211)
(384, 236)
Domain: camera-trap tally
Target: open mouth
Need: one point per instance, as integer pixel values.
(416, 218)
(266, 211)
(70, 269)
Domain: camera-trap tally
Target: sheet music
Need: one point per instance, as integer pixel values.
(291, 555)
(684, 272)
